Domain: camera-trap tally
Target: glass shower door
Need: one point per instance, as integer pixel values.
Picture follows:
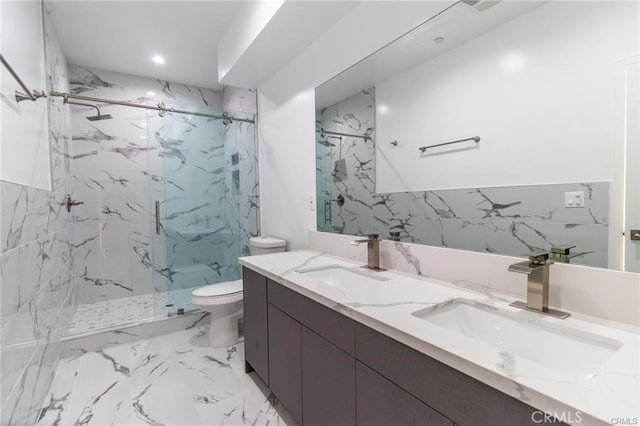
(323, 181)
(196, 238)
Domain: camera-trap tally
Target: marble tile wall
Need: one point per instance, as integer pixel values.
(243, 103)
(502, 220)
(37, 292)
(123, 165)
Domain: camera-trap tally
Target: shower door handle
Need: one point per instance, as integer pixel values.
(327, 211)
(158, 226)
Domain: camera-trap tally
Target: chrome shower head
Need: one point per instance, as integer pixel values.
(99, 117)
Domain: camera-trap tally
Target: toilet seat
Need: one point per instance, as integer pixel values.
(229, 288)
(217, 294)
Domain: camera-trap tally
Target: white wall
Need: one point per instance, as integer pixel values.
(248, 22)
(538, 90)
(286, 110)
(24, 151)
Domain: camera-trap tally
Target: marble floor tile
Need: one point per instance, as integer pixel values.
(58, 399)
(101, 396)
(173, 379)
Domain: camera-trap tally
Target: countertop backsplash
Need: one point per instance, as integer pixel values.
(608, 294)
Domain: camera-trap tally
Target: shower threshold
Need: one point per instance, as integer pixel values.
(105, 316)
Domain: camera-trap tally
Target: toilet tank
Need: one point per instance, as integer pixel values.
(265, 245)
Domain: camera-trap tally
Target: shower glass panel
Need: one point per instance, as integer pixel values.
(195, 182)
(323, 181)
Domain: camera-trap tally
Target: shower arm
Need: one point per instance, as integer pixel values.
(67, 101)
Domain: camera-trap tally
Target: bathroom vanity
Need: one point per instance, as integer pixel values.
(343, 347)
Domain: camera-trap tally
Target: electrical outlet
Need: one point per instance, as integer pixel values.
(574, 199)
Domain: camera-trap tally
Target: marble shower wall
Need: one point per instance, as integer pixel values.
(37, 292)
(501, 220)
(243, 141)
(123, 165)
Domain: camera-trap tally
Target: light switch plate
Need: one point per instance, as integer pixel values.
(574, 199)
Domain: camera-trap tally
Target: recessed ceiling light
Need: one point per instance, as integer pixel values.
(150, 93)
(438, 40)
(513, 62)
(158, 59)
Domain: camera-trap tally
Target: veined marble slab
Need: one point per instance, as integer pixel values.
(611, 393)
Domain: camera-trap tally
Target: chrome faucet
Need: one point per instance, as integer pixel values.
(373, 252)
(537, 270)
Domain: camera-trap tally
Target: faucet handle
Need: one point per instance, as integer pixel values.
(538, 257)
(562, 250)
(394, 236)
(372, 236)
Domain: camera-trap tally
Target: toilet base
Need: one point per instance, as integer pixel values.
(224, 330)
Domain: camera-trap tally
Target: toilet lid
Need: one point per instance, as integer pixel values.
(266, 242)
(219, 289)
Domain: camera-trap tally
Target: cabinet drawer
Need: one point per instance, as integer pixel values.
(381, 403)
(329, 324)
(459, 397)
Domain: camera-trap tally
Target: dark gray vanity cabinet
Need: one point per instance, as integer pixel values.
(327, 369)
(256, 349)
(381, 402)
(329, 324)
(310, 370)
(285, 361)
(463, 399)
(328, 383)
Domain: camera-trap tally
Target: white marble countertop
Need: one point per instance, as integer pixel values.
(613, 392)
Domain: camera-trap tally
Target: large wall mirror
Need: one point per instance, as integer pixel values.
(496, 126)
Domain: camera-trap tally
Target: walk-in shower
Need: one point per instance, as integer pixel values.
(178, 207)
(196, 177)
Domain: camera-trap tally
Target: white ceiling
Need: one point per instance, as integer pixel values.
(457, 25)
(295, 26)
(123, 36)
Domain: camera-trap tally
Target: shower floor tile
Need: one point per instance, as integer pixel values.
(175, 379)
(129, 310)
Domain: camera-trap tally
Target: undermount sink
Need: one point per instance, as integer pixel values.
(573, 352)
(341, 277)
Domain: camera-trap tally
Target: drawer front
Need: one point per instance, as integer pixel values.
(381, 403)
(457, 396)
(329, 324)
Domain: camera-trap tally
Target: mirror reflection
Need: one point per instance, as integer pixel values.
(543, 97)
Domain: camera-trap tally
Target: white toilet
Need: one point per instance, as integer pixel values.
(224, 300)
